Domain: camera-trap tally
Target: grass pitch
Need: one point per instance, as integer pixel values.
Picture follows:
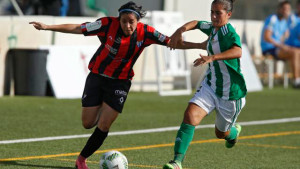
(260, 146)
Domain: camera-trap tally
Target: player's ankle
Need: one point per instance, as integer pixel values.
(81, 158)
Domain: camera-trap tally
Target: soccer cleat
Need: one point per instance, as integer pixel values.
(231, 143)
(81, 164)
(172, 165)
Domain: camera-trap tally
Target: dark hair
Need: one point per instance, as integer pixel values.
(282, 3)
(228, 4)
(131, 7)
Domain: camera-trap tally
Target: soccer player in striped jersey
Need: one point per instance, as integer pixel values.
(223, 88)
(122, 40)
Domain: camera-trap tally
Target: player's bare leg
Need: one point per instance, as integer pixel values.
(90, 116)
(105, 120)
(293, 55)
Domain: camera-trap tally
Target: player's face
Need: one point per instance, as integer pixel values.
(285, 10)
(128, 23)
(219, 16)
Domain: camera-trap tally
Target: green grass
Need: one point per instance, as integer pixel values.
(34, 117)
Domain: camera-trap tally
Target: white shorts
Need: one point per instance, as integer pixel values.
(227, 111)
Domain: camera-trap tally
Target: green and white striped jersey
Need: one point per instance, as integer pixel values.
(223, 76)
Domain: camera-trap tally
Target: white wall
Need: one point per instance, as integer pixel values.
(192, 9)
(71, 39)
(27, 36)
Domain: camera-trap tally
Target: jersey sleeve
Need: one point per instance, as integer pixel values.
(98, 27)
(232, 38)
(270, 22)
(152, 36)
(235, 39)
(205, 27)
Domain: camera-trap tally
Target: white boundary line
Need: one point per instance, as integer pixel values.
(249, 123)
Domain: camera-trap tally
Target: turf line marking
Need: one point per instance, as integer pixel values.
(154, 146)
(155, 130)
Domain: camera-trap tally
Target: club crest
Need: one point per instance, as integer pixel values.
(139, 43)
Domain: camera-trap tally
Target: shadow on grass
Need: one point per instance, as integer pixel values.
(15, 163)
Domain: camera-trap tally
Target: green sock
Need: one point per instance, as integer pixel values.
(184, 137)
(233, 134)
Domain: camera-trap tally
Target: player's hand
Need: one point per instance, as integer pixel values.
(175, 39)
(39, 25)
(202, 60)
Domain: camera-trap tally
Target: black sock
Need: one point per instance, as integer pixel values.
(94, 142)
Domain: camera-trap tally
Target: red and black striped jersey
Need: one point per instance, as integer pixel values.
(118, 53)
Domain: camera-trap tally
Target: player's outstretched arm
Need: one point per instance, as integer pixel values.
(64, 28)
(191, 45)
(176, 38)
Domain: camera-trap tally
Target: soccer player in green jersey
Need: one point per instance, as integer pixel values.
(223, 88)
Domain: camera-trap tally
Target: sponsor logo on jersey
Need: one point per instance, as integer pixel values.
(93, 26)
(118, 40)
(111, 49)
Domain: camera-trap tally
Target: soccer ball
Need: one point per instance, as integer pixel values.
(113, 160)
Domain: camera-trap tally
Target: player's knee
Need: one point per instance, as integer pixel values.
(87, 125)
(191, 118)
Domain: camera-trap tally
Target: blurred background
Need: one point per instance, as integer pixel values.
(32, 62)
(42, 76)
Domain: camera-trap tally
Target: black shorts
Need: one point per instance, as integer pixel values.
(100, 89)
